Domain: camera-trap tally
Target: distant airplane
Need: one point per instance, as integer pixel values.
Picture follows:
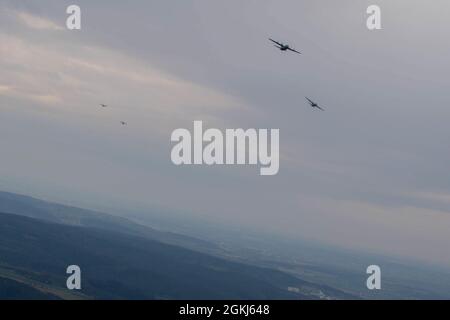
(283, 47)
(123, 123)
(103, 105)
(313, 104)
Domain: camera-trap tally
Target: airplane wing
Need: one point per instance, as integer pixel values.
(310, 101)
(280, 44)
(320, 108)
(293, 50)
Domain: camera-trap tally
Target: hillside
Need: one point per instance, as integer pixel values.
(119, 266)
(73, 216)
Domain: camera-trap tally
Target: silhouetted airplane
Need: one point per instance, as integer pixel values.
(283, 47)
(103, 105)
(123, 123)
(313, 104)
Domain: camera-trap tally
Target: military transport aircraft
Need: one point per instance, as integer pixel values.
(283, 47)
(313, 104)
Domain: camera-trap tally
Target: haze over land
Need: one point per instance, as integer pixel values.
(370, 173)
(123, 259)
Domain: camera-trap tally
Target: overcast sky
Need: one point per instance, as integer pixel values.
(371, 173)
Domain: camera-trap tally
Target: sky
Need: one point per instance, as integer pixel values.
(369, 173)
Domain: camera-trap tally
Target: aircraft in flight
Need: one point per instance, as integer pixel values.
(123, 123)
(103, 105)
(283, 47)
(313, 104)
